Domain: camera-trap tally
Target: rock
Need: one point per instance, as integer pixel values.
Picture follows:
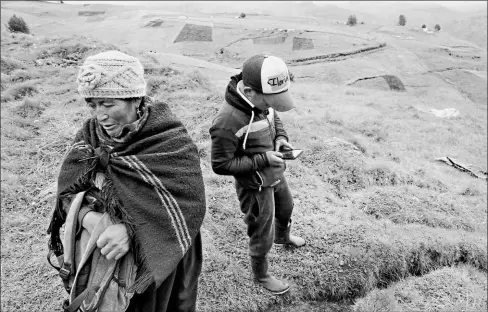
(445, 113)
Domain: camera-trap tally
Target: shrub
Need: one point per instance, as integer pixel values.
(17, 24)
(437, 27)
(351, 20)
(242, 15)
(402, 21)
(423, 26)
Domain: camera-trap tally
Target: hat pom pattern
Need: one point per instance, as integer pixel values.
(89, 76)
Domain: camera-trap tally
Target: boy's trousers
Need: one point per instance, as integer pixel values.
(260, 209)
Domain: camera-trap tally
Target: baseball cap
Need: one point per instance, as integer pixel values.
(269, 75)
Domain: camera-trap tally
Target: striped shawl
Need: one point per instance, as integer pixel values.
(153, 184)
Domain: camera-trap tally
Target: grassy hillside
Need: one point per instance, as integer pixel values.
(388, 227)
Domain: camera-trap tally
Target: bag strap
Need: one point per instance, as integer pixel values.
(75, 304)
(49, 256)
(69, 237)
(122, 272)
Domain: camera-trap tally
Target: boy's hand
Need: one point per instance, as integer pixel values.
(282, 143)
(274, 158)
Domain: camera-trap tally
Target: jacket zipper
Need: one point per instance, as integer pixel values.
(272, 141)
(270, 131)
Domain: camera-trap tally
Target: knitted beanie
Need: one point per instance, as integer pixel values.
(111, 74)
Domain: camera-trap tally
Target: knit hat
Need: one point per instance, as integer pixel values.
(269, 75)
(111, 74)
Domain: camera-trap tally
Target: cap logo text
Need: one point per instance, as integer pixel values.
(277, 81)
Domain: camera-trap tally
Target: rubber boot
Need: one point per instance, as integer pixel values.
(259, 267)
(282, 235)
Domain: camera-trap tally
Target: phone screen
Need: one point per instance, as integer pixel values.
(293, 154)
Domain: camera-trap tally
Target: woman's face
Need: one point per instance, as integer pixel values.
(113, 114)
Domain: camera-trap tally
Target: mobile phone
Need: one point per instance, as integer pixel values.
(291, 154)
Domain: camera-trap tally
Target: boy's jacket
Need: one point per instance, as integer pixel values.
(248, 164)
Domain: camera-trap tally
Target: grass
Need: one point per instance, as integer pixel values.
(386, 226)
(8, 64)
(193, 32)
(20, 75)
(19, 91)
(460, 289)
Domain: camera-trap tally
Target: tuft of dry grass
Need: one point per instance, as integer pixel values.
(4, 81)
(411, 204)
(460, 289)
(8, 64)
(18, 91)
(20, 75)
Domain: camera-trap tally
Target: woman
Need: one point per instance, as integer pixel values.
(137, 163)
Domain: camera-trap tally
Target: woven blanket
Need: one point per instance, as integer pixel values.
(154, 185)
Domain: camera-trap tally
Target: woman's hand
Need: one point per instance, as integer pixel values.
(85, 149)
(114, 242)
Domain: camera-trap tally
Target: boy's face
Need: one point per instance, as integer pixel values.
(256, 98)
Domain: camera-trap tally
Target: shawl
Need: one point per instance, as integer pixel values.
(154, 185)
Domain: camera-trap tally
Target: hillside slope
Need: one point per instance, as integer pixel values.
(384, 221)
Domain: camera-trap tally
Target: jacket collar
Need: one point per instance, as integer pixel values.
(234, 98)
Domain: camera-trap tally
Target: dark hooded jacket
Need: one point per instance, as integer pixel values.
(229, 132)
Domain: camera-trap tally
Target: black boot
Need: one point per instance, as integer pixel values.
(282, 235)
(259, 267)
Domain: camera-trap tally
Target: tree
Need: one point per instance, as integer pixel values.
(351, 20)
(437, 27)
(423, 26)
(402, 21)
(17, 24)
(242, 15)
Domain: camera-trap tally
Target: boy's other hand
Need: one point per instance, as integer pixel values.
(275, 159)
(282, 144)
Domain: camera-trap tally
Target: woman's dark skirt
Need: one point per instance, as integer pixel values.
(178, 293)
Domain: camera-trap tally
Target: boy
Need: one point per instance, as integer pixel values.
(247, 136)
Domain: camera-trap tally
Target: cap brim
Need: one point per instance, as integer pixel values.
(281, 102)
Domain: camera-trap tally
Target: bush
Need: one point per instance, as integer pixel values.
(423, 26)
(242, 15)
(351, 20)
(402, 21)
(17, 24)
(437, 27)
